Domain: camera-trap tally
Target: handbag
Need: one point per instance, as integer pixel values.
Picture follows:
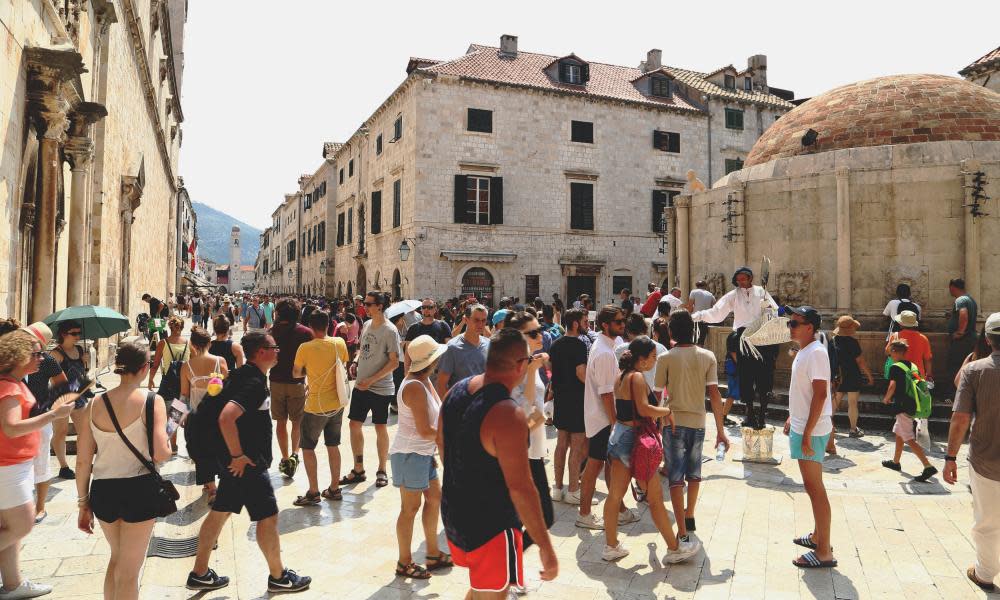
(166, 493)
(647, 452)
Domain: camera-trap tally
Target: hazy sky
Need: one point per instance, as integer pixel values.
(264, 86)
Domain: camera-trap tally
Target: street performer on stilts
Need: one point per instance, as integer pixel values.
(756, 372)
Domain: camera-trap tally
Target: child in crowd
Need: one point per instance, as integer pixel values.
(905, 406)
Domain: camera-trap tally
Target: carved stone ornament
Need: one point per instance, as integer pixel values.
(916, 277)
(793, 287)
(132, 192)
(79, 148)
(52, 88)
(716, 283)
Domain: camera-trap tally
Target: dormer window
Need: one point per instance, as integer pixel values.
(573, 72)
(748, 84)
(659, 86)
(730, 82)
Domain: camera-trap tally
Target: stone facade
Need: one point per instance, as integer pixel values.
(985, 71)
(90, 106)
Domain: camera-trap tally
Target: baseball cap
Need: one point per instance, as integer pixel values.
(810, 314)
(993, 324)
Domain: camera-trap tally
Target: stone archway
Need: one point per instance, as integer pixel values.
(397, 285)
(479, 282)
(361, 281)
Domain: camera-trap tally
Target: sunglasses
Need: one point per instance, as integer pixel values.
(618, 320)
(74, 333)
(426, 308)
(275, 348)
(534, 333)
(38, 354)
(371, 303)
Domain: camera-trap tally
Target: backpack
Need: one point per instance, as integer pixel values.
(142, 324)
(907, 304)
(831, 351)
(647, 452)
(201, 433)
(170, 384)
(916, 388)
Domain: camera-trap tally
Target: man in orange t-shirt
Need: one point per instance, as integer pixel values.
(919, 351)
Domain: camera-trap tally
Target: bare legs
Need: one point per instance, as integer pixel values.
(281, 432)
(812, 478)
(915, 448)
(15, 524)
(60, 428)
(677, 500)
(267, 540)
(309, 460)
(618, 481)
(358, 445)
(429, 517)
(128, 543)
(575, 445)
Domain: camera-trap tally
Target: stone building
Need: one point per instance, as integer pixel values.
(504, 172)
(985, 71)
(91, 113)
(861, 188)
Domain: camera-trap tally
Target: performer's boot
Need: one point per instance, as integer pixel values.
(765, 399)
(750, 419)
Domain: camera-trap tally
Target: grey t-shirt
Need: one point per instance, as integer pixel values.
(702, 299)
(463, 359)
(375, 345)
(979, 395)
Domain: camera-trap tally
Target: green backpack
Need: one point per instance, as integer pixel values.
(916, 388)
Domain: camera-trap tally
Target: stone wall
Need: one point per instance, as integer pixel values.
(735, 143)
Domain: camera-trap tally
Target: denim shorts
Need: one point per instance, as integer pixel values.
(682, 449)
(620, 444)
(412, 471)
(818, 446)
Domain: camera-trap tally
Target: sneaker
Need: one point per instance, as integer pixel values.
(629, 516)
(209, 581)
(614, 552)
(856, 433)
(66, 473)
(574, 498)
(684, 551)
(590, 521)
(684, 538)
(283, 467)
(293, 465)
(290, 582)
(27, 589)
(928, 472)
(517, 590)
(894, 466)
(559, 494)
(728, 422)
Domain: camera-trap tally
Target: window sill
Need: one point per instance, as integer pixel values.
(585, 144)
(480, 133)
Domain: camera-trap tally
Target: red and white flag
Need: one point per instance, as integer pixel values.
(191, 253)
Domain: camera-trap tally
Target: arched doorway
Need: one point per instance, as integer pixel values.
(397, 285)
(340, 289)
(362, 282)
(478, 282)
(350, 291)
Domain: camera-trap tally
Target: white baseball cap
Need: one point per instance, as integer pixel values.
(993, 324)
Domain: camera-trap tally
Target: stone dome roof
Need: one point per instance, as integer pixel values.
(898, 109)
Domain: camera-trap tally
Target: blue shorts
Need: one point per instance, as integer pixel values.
(412, 471)
(682, 449)
(620, 444)
(818, 446)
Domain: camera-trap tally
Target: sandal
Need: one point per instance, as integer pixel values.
(412, 570)
(809, 560)
(353, 477)
(310, 499)
(331, 494)
(986, 586)
(381, 479)
(806, 541)
(441, 561)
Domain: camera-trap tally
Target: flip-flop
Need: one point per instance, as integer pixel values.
(809, 560)
(986, 586)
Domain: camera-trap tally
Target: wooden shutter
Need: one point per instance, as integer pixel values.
(659, 203)
(584, 74)
(658, 139)
(340, 229)
(461, 201)
(376, 217)
(564, 72)
(581, 206)
(674, 143)
(496, 200)
(397, 203)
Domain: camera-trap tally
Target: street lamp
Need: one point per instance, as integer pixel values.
(404, 250)
(322, 267)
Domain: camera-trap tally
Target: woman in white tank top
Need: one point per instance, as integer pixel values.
(123, 492)
(195, 375)
(414, 470)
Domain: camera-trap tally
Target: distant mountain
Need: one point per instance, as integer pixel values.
(214, 227)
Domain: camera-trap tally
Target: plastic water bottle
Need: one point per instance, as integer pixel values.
(720, 454)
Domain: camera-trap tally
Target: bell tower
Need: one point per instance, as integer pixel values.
(234, 252)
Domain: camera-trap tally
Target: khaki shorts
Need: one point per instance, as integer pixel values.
(288, 401)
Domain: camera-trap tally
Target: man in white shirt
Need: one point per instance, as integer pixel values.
(599, 412)
(898, 304)
(809, 427)
(747, 302)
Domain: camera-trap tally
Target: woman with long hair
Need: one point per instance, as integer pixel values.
(112, 483)
(176, 349)
(635, 403)
(224, 346)
(73, 360)
(196, 374)
(20, 355)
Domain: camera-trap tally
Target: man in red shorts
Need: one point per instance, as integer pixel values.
(488, 490)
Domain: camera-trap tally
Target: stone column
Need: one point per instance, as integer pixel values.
(49, 104)
(973, 281)
(683, 207)
(80, 150)
(843, 240)
(671, 225)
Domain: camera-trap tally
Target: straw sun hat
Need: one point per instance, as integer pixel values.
(423, 351)
(846, 323)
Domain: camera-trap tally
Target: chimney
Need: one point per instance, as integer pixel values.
(508, 46)
(758, 63)
(654, 60)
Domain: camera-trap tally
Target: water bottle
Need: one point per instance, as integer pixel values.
(720, 454)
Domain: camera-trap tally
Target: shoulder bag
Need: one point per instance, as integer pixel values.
(166, 492)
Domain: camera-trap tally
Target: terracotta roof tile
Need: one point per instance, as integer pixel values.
(331, 148)
(990, 59)
(700, 82)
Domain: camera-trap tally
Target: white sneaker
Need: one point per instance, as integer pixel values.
(614, 552)
(574, 498)
(517, 590)
(590, 521)
(684, 551)
(558, 494)
(27, 589)
(629, 516)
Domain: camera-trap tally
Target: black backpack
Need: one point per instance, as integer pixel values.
(907, 304)
(202, 434)
(831, 350)
(170, 384)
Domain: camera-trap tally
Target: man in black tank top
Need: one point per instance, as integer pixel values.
(488, 490)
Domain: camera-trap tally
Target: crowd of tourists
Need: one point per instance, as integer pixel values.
(628, 387)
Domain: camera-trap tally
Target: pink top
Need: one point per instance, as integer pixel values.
(22, 448)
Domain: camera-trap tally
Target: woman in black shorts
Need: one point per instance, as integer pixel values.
(123, 492)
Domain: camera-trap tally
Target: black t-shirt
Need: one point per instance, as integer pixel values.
(901, 400)
(247, 388)
(627, 306)
(566, 354)
(38, 383)
(848, 351)
(438, 330)
(155, 307)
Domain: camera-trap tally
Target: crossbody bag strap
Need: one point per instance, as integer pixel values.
(148, 414)
(128, 443)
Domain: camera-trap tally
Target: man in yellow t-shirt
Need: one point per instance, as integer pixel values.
(324, 410)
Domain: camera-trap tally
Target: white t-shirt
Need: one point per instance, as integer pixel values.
(673, 300)
(536, 437)
(892, 308)
(811, 363)
(602, 374)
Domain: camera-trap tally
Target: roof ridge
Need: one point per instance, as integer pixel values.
(558, 56)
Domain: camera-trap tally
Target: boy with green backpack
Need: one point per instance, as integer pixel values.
(910, 398)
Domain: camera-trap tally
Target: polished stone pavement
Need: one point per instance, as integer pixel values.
(892, 537)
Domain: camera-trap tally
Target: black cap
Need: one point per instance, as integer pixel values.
(810, 314)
